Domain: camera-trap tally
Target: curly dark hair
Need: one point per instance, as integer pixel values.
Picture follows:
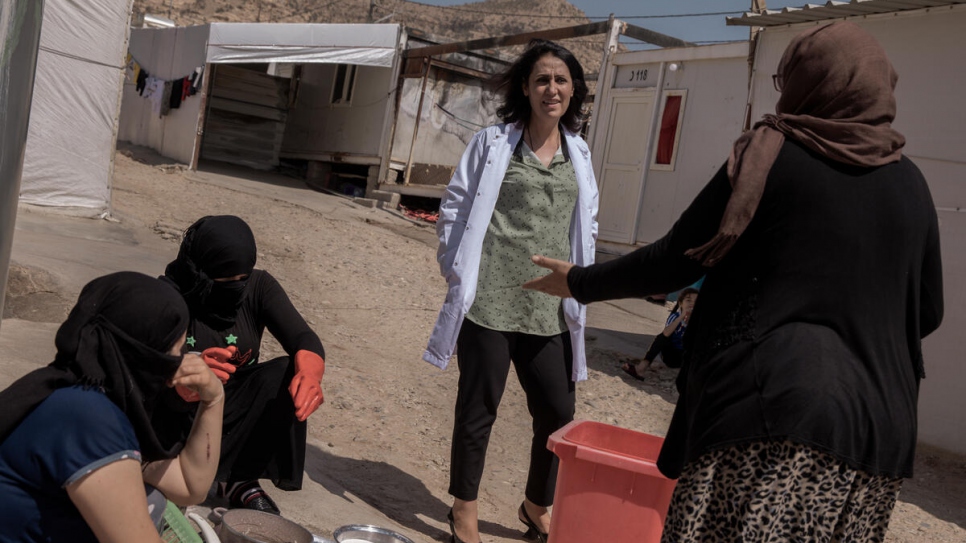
(516, 105)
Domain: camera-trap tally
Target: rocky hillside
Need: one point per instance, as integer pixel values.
(467, 21)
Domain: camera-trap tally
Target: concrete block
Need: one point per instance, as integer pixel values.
(365, 202)
(391, 199)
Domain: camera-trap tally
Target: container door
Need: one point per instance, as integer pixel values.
(622, 171)
(246, 117)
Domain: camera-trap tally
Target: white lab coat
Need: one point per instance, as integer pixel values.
(464, 215)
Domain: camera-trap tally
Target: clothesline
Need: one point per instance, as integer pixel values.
(164, 94)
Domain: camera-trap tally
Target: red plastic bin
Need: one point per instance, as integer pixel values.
(608, 486)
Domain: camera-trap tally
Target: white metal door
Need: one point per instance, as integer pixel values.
(622, 169)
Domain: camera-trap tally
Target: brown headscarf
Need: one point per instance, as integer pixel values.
(837, 100)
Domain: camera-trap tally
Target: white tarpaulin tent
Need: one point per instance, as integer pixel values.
(69, 156)
(366, 45)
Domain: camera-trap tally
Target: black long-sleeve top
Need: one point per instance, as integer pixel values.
(264, 305)
(809, 329)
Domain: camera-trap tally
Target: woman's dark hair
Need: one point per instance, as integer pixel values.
(516, 105)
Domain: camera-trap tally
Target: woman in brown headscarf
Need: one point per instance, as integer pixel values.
(797, 411)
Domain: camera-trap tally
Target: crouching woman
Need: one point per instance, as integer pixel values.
(79, 454)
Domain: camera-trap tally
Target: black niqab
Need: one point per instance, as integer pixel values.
(214, 247)
(117, 337)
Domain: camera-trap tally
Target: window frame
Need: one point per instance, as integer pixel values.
(683, 93)
(348, 85)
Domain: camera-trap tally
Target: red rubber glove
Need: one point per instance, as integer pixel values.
(306, 386)
(218, 360)
(187, 394)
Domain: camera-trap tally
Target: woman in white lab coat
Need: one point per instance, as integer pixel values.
(522, 187)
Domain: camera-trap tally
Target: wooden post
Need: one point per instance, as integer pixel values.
(603, 79)
(757, 6)
(419, 114)
(392, 108)
(202, 115)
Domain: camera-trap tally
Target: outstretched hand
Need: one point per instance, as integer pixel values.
(555, 283)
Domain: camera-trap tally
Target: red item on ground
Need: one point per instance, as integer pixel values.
(420, 214)
(608, 485)
(306, 386)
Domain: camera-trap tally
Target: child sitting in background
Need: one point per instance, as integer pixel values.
(669, 342)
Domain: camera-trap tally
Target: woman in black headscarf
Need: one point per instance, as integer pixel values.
(797, 415)
(77, 445)
(231, 304)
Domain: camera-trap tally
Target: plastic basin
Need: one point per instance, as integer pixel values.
(608, 486)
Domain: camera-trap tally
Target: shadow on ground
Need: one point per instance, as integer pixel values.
(609, 349)
(340, 476)
(144, 155)
(243, 172)
(939, 485)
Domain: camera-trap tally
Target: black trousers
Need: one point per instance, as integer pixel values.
(543, 366)
(261, 439)
(662, 345)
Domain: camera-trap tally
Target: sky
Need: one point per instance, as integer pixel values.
(710, 28)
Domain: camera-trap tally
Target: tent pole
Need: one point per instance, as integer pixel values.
(202, 117)
(392, 109)
(16, 90)
(419, 113)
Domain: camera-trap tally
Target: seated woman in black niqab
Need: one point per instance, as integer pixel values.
(231, 304)
(78, 452)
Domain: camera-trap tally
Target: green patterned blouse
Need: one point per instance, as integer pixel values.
(532, 216)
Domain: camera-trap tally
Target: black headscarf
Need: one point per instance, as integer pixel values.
(116, 338)
(214, 247)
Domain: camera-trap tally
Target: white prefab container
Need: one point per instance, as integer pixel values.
(269, 92)
(928, 50)
(663, 125)
(166, 53)
(326, 121)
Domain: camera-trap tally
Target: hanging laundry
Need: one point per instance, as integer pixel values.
(153, 91)
(198, 76)
(164, 95)
(166, 98)
(177, 90)
(142, 81)
(130, 76)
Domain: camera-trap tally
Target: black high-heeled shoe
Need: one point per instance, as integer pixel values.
(533, 533)
(452, 528)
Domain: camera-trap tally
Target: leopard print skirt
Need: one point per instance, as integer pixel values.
(778, 492)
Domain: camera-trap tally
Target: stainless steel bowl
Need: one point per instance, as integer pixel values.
(368, 533)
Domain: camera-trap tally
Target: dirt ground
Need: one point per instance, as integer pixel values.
(367, 281)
